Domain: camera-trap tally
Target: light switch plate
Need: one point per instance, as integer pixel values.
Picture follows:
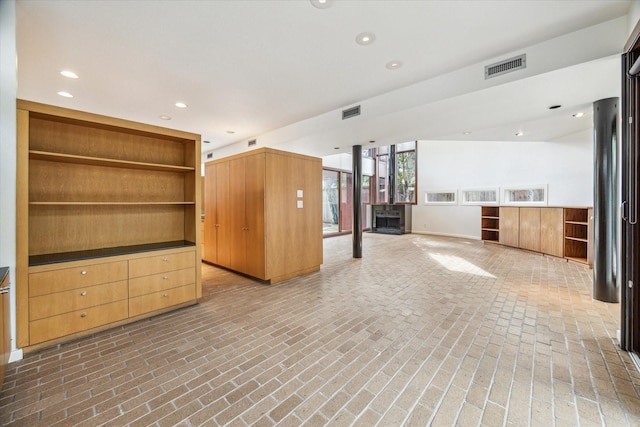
(300, 193)
(300, 204)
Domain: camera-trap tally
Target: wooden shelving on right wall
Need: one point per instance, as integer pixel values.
(577, 230)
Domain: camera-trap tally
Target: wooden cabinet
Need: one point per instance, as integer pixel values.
(529, 230)
(92, 193)
(552, 231)
(509, 226)
(273, 213)
(561, 232)
(5, 322)
(490, 228)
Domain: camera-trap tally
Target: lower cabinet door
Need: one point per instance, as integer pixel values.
(163, 299)
(76, 321)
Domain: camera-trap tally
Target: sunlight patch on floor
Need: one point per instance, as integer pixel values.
(459, 265)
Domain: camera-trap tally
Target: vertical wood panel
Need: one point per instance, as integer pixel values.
(529, 237)
(552, 231)
(255, 216)
(509, 226)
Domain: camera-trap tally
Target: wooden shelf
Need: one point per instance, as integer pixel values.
(576, 222)
(577, 239)
(97, 161)
(110, 203)
(490, 220)
(97, 193)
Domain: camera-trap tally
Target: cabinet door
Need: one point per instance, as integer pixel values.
(223, 226)
(529, 237)
(509, 226)
(237, 209)
(210, 214)
(552, 231)
(255, 199)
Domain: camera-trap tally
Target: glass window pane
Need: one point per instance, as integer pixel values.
(406, 177)
(330, 201)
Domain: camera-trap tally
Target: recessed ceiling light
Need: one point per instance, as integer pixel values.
(165, 117)
(69, 74)
(207, 142)
(321, 4)
(65, 94)
(231, 132)
(466, 133)
(365, 38)
(520, 133)
(181, 105)
(372, 141)
(393, 65)
(336, 148)
(555, 107)
(578, 115)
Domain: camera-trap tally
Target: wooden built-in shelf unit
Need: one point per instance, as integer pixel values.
(577, 234)
(491, 223)
(557, 231)
(95, 196)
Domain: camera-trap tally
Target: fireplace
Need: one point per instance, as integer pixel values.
(391, 219)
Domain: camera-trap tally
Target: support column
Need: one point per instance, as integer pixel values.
(605, 196)
(356, 223)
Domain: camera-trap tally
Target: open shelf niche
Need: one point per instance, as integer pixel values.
(491, 223)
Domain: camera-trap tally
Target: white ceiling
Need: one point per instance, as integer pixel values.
(281, 71)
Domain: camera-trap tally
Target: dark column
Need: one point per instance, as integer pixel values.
(392, 174)
(605, 213)
(356, 225)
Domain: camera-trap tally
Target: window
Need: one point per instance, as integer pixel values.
(479, 197)
(440, 197)
(529, 195)
(406, 172)
(405, 168)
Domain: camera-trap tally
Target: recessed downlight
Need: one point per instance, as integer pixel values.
(520, 133)
(231, 132)
(65, 94)
(466, 133)
(365, 38)
(181, 105)
(164, 117)
(321, 4)
(555, 107)
(336, 148)
(393, 65)
(578, 115)
(69, 74)
(206, 142)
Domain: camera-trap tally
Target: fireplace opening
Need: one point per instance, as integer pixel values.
(391, 219)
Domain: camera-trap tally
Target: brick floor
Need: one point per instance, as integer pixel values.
(421, 331)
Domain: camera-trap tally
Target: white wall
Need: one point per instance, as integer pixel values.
(566, 166)
(8, 89)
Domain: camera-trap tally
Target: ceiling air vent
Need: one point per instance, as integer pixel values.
(251, 143)
(350, 112)
(506, 66)
(209, 155)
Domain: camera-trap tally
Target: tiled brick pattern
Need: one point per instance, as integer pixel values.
(420, 331)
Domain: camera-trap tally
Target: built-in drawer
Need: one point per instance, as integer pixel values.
(76, 299)
(161, 281)
(69, 323)
(64, 279)
(159, 300)
(161, 263)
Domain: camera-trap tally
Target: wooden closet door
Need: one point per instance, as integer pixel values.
(223, 228)
(255, 212)
(210, 214)
(237, 215)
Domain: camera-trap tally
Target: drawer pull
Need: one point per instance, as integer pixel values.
(165, 278)
(83, 272)
(165, 259)
(83, 315)
(83, 293)
(165, 295)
